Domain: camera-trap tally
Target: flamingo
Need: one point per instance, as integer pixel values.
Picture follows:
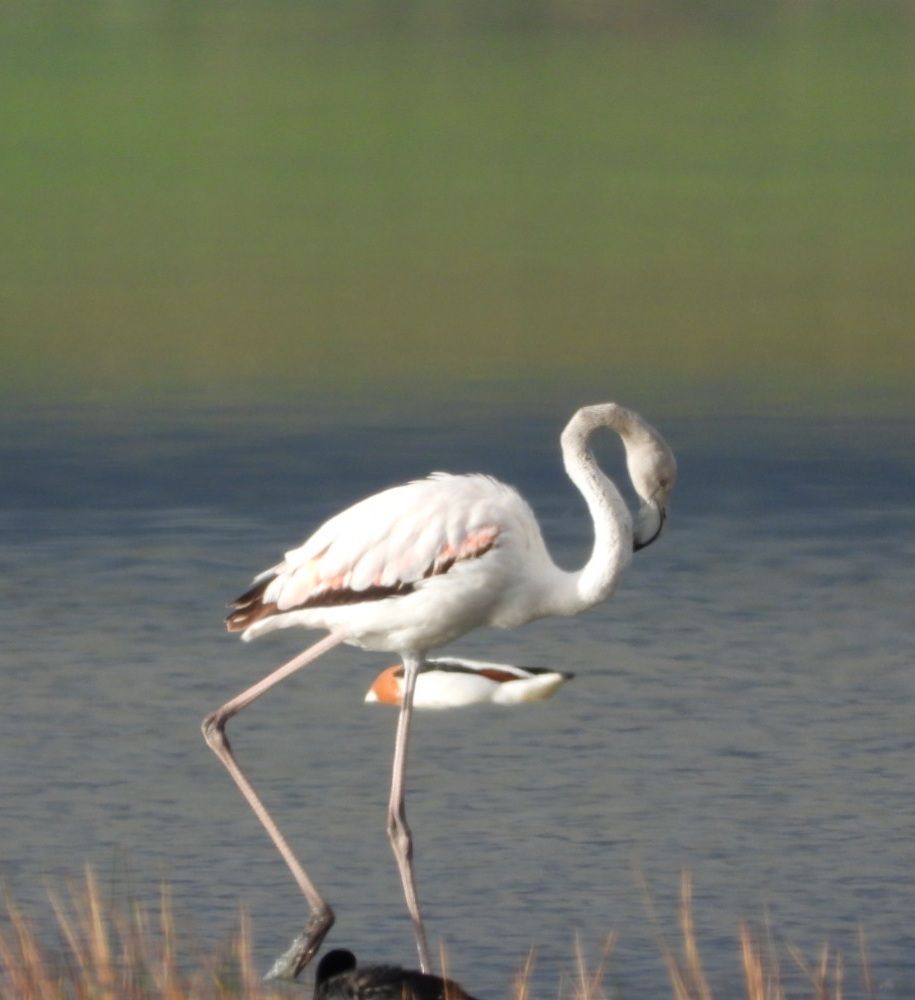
(449, 682)
(338, 978)
(417, 565)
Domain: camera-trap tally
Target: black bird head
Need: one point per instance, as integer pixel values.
(335, 963)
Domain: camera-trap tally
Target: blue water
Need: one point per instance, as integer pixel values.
(744, 707)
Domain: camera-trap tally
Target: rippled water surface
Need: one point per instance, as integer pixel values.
(743, 707)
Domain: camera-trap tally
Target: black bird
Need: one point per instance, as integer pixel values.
(338, 978)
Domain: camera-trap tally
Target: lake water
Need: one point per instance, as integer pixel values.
(744, 707)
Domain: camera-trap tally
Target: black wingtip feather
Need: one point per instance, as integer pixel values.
(249, 607)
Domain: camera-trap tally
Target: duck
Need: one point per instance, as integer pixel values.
(339, 978)
(453, 682)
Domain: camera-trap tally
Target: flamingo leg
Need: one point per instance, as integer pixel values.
(304, 947)
(398, 829)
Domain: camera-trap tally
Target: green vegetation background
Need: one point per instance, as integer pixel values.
(238, 198)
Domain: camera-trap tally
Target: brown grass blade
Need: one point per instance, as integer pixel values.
(596, 985)
(678, 984)
(97, 937)
(18, 953)
(521, 985)
(760, 973)
(752, 966)
(698, 984)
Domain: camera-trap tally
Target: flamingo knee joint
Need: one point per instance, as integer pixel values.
(213, 728)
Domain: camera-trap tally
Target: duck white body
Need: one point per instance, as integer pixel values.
(449, 682)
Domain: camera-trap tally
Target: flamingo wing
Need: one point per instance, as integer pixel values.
(384, 546)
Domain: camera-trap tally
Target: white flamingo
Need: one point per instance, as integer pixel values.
(414, 567)
(452, 682)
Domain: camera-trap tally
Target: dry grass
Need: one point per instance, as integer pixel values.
(113, 952)
(759, 960)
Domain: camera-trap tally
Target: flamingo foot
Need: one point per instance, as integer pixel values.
(302, 950)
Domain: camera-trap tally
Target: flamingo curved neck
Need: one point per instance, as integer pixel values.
(613, 532)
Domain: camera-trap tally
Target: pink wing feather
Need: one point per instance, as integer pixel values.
(383, 546)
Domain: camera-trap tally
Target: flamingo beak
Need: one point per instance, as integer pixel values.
(655, 525)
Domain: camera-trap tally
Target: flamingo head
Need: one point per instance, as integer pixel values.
(653, 470)
(649, 460)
